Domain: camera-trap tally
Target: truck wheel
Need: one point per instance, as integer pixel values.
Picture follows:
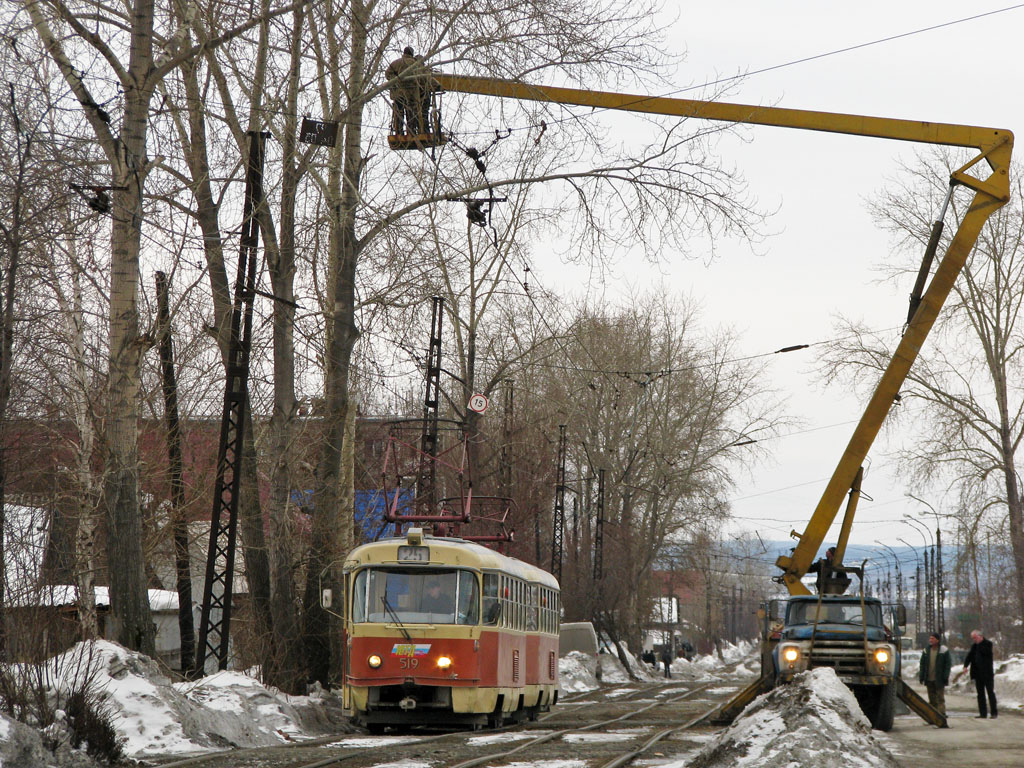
(885, 711)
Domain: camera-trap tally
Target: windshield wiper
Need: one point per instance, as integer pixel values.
(394, 618)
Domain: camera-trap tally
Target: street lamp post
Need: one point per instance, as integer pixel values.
(929, 573)
(940, 588)
(917, 586)
(899, 573)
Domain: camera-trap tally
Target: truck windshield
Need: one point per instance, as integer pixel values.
(415, 596)
(834, 613)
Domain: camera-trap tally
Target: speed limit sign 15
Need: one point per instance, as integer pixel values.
(478, 403)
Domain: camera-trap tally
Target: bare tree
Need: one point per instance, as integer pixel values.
(659, 407)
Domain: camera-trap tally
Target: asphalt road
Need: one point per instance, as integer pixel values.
(968, 741)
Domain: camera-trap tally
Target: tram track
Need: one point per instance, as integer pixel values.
(668, 717)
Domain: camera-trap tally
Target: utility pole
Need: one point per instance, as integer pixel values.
(179, 528)
(426, 480)
(940, 587)
(558, 518)
(220, 557)
(599, 529)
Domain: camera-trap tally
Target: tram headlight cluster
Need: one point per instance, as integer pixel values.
(444, 662)
(374, 661)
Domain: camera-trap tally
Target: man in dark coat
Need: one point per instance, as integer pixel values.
(979, 659)
(934, 671)
(823, 568)
(666, 659)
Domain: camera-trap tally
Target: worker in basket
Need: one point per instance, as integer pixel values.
(411, 87)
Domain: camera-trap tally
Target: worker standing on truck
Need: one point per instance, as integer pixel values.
(934, 671)
(823, 567)
(979, 659)
(405, 94)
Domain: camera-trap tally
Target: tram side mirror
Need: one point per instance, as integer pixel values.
(326, 598)
(901, 614)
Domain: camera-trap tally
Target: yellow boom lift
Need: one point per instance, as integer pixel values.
(991, 191)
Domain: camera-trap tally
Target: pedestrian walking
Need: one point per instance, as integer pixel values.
(979, 659)
(934, 672)
(666, 659)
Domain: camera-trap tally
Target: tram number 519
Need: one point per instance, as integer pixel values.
(408, 662)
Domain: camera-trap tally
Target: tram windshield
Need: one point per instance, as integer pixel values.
(416, 596)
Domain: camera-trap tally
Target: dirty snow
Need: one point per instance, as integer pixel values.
(155, 716)
(405, 764)
(577, 673)
(597, 738)
(365, 742)
(813, 722)
(502, 738)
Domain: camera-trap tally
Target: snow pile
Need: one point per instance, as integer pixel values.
(734, 653)
(22, 747)
(155, 716)
(701, 668)
(577, 672)
(814, 722)
(1009, 684)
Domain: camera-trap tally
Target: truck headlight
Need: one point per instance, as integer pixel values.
(882, 656)
(790, 654)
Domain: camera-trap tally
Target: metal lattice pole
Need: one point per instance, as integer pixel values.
(215, 618)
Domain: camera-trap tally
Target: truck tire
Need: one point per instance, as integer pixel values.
(885, 710)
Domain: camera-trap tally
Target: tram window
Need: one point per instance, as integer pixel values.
(469, 599)
(359, 597)
(519, 604)
(503, 600)
(492, 605)
(414, 596)
(531, 607)
(522, 605)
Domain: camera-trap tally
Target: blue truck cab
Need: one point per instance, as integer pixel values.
(857, 636)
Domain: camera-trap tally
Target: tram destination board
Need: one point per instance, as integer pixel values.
(413, 554)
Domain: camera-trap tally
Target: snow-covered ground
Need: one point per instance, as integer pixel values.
(229, 709)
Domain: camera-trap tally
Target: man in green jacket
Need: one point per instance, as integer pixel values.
(934, 672)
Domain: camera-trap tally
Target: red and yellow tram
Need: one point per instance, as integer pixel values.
(443, 631)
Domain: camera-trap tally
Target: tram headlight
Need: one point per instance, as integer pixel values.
(444, 662)
(374, 661)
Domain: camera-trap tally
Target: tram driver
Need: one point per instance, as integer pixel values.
(436, 599)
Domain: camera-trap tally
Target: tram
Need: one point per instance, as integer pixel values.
(443, 631)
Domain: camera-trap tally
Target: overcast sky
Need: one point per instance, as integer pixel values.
(821, 261)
